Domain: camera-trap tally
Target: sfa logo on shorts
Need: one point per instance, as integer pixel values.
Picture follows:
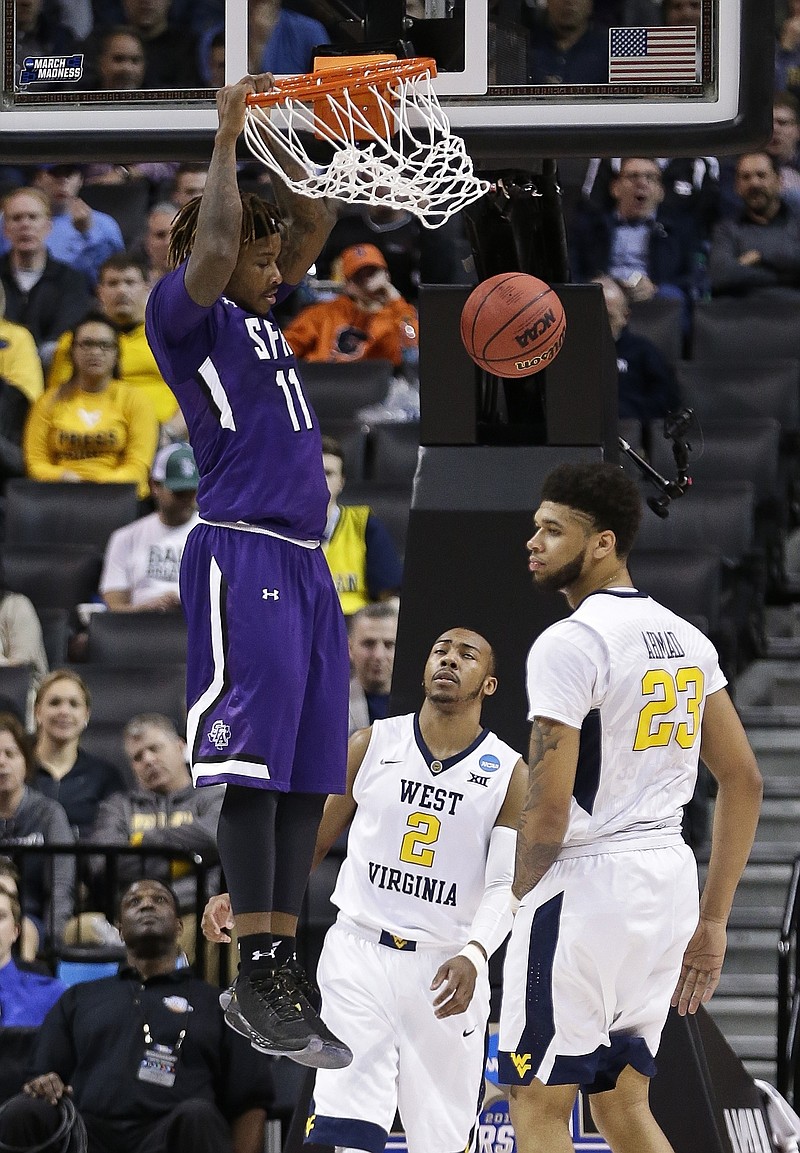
(219, 734)
(47, 69)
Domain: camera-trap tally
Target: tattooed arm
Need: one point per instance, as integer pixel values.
(307, 222)
(552, 762)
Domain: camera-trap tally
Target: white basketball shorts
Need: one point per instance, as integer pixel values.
(591, 966)
(379, 1001)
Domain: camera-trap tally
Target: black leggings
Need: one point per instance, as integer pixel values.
(266, 845)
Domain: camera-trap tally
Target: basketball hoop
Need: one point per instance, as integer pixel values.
(392, 141)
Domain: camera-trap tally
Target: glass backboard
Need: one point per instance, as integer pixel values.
(635, 78)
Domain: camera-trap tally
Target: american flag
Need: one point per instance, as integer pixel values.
(652, 55)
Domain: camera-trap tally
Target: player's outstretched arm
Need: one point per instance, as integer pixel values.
(219, 224)
(339, 809)
(727, 753)
(308, 221)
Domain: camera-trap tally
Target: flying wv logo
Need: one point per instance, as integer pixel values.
(522, 1063)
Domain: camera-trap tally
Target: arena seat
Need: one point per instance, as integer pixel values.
(684, 580)
(742, 389)
(340, 390)
(659, 320)
(733, 328)
(730, 450)
(353, 438)
(127, 203)
(105, 741)
(53, 576)
(394, 449)
(743, 450)
(73, 972)
(62, 513)
(16, 682)
(390, 502)
(118, 693)
(718, 516)
(136, 639)
(55, 634)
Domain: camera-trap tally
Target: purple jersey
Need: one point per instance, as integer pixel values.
(255, 437)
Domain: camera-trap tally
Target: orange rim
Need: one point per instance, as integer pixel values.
(353, 78)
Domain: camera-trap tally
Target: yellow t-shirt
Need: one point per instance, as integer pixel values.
(19, 360)
(346, 553)
(137, 367)
(107, 436)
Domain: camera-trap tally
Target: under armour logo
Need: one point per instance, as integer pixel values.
(474, 779)
(219, 734)
(522, 1063)
(270, 594)
(259, 956)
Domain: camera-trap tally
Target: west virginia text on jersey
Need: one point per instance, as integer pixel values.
(419, 872)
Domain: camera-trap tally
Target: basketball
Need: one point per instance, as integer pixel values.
(513, 324)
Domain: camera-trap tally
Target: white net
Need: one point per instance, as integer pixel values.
(404, 157)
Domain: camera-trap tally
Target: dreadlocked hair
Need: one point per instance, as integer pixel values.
(259, 219)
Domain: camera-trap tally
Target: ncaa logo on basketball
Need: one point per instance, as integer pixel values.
(489, 763)
(538, 328)
(219, 734)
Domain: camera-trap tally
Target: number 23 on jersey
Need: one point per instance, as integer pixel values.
(672, 708)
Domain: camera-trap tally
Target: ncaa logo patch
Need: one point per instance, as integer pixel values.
(489, 763)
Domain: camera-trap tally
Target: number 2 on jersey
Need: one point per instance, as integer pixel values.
(681, 692)
(423, 829)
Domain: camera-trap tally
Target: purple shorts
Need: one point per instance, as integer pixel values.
(267, 679)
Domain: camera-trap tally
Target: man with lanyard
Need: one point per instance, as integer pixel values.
(144, 1056)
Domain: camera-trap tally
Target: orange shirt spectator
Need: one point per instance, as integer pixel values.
(369, 321)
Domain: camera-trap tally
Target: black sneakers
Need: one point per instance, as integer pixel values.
(273, 1016)
(272, 1009)
(293, 971)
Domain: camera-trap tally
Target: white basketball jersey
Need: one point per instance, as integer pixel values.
(416, 853)
(634, 678)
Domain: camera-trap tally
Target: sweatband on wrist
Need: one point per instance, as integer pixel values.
(514, 904)
(475, 954)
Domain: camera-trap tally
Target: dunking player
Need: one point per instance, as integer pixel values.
(623, 697)
(423, 898)
(267, 679)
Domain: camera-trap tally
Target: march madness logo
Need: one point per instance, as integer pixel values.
(47, 69)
